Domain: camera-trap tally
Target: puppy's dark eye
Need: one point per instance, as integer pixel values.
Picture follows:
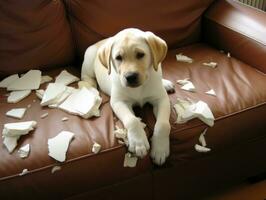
(140, 55)
(118, 58)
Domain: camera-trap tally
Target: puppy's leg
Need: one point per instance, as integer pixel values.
(138, 142)
(87, 70)
(169, 86)
(160, 140)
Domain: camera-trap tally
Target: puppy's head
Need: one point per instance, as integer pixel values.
(133, 54)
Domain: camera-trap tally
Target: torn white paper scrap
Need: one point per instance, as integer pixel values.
(12, 132)
(202, 138)
(204, 113)
(66, 93)
(24, 171)
(24, 151)
(52, 93)
(8, 80)
(121, 133)
(182, 108)
(189, 87)
(45, 79)
(211, 92)
(64, 119)
(84, 102)
(130, 160)
(182, 58)
(96, 147)
(228, 55)
(66, 78)
(39, 93)
(44, 115)
(10, 143)
(183, 81)
(17, 96)
(201, 149)
(59, 144)
(55, 169)
(30, 81)
(17, 113)
(18, 128)
(186, 85)
(210, 64)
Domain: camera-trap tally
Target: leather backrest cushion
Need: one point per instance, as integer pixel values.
(33, 34)
(176, 21)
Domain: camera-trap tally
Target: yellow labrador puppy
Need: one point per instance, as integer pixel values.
(127, 67)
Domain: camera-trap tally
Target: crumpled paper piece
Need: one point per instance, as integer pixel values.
(187, 110)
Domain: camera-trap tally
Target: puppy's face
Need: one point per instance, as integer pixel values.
(133, 54)
(131, 58)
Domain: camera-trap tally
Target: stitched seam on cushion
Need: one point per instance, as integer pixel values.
(234, 30)
(66, 162)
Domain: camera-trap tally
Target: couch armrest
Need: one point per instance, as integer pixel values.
(239, 29)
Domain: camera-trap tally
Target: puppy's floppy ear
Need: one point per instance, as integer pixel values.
(158, 48)
(104, 54)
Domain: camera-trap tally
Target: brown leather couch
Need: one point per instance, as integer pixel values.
(53, 34)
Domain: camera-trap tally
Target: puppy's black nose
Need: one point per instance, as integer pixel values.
(132, 78)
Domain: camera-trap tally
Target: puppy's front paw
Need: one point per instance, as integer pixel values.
(160, 149)
(138, 142)
(169, 86)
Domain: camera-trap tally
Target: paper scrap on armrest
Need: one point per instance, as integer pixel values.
(130, 160)
(17, 96)
(16, 113)
(12, 132)
(66, 78)
(84, 102)
(39, 93)
(182, 58)
(8, 80)
(202, 138)
(187, 110)
(59, 144)
(30, 81)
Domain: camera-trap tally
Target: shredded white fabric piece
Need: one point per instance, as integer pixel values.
(186, 85)
(44, 115)
(202, 138)
(64, 119)
(211, 92)
(17, 113)
(201, 149)
(46, 79)
(66, 78)
(130, 160)
(17, 96)
(210, 64)
(24, 151)
(84, 102)
(182, 58)
(24, 171)
(96, 147)
(55, 169)
(187, 110)
(8, 80)
(30, 81)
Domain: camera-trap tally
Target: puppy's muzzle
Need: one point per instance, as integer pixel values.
(132, 79)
